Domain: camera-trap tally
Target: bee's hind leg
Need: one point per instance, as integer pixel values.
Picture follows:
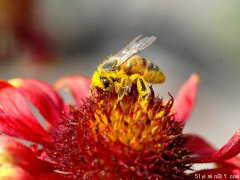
(142, 88)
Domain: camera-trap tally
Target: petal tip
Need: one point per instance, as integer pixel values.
(194, 78)
(15, 82)
(186, 98)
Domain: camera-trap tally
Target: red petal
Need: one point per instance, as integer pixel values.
(16, 153)
(21, 158)
(79, 86)
(16, 118)
(4, 84)
(217, 174)
(43, 96)
(186, 98)
(199, 146)
(233, 162)
(205, 153)
(229, 150)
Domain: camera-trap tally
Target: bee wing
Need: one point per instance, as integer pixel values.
(135, 46)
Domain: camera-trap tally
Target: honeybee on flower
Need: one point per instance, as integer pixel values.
(118, 72)
(92, 139)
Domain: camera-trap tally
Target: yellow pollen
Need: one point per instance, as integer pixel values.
(5, 157)
(7, 168)
(130, 123)
(160, 114)
(8, 171)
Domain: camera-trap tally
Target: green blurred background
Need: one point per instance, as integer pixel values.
(58, 38)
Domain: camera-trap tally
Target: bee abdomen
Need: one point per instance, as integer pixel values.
(152, 66)
(154, 77)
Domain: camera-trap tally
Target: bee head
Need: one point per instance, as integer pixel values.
(106, 82)
(103, 81)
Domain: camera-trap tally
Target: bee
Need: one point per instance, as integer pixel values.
(118, 72)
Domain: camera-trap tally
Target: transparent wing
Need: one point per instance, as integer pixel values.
(133, 48)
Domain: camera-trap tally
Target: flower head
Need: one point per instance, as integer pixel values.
(101, 137)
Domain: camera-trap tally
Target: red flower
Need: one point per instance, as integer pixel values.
(21, 30)
(102, 138)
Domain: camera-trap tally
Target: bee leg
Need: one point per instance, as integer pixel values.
(142, 88)
(121, 93)
(122, 88)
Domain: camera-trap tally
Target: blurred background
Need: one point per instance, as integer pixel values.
(49, 39)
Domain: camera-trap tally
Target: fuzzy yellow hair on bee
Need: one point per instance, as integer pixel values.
(120, 71)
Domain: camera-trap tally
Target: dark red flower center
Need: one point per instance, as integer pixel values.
(108, 139)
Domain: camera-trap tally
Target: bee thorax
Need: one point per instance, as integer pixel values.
(109, 66)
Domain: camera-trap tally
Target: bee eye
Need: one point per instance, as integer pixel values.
(105, 82)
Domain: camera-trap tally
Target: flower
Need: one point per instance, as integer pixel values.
(101, 138)
(20, 30)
